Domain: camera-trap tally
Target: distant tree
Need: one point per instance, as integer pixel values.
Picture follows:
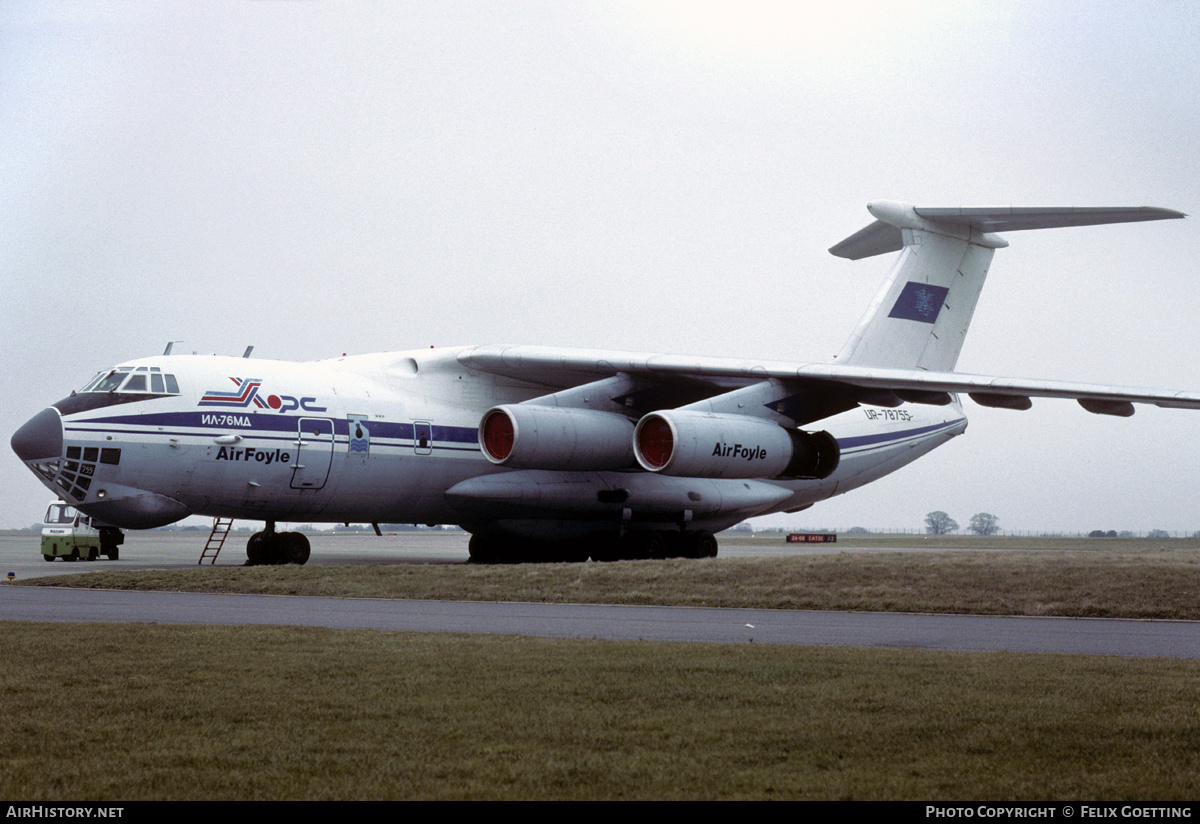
(858, 530)
(939, 523)
(1158, 533)
(984, 523)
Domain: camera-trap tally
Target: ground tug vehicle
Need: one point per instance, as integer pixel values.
(69, 534)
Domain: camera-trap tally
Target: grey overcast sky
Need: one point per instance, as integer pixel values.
(317, 177)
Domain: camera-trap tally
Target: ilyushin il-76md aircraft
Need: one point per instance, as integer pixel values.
(559, 454)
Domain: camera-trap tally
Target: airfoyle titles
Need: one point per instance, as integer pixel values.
(749, 453)
(263, 456)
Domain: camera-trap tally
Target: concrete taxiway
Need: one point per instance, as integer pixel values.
(967, 633)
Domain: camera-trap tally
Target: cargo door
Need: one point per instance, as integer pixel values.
(314, 453)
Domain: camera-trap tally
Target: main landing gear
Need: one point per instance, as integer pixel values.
(634, 546)
(271, 547)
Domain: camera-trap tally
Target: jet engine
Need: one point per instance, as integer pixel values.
(530, 436)
(708, 445)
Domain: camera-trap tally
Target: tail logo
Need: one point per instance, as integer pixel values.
(920, 302)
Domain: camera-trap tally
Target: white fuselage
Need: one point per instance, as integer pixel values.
(384, 438)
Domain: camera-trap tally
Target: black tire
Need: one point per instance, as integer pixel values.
(48, 558)
(605, 548)
(700, 544)
(572, 552)
(74, 556)
(652, 545)
(482, 549)
(257, 550)
(295, 547)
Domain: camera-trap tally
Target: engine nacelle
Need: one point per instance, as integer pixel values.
(707, 445)
(549, 437)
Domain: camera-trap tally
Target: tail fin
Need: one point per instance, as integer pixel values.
(919, 317)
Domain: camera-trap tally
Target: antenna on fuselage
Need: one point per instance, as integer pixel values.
(170, 343)
(249, 349)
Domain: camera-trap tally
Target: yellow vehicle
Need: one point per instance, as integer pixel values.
(71, 535)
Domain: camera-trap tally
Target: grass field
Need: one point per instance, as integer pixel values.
(126, 712)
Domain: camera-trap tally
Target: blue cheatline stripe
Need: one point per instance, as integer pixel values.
(289, 439)
(892, 438)
(283, 424)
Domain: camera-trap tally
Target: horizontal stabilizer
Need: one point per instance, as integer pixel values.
(877, 239)
(884, 235)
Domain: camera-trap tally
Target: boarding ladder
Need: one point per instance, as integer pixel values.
(216, 539)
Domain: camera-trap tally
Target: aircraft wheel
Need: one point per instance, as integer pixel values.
(573, 552)
(673, 544)
(700, 544)
(257, 550)
(605, 549)
(652, 545)
(484, 549)
(93, 554)
(296, 548)
(111, 554)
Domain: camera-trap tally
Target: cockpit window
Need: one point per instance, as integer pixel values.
(128, 379)
(109, 382)
(122, 384)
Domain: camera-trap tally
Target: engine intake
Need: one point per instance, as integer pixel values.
(709, 445)
(549, 437)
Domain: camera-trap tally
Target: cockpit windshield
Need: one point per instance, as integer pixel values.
(122, 384)
(148, 379)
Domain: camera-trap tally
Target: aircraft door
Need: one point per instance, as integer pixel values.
(314, 453)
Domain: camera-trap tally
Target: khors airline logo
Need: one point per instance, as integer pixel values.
(247, 393)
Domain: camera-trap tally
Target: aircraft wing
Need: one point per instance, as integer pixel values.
(843, 386)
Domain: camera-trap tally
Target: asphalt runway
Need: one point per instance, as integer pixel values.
(1173, 639)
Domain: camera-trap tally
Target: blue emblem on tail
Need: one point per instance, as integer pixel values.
(920, 302)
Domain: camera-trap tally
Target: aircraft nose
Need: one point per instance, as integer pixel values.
(41, 437)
